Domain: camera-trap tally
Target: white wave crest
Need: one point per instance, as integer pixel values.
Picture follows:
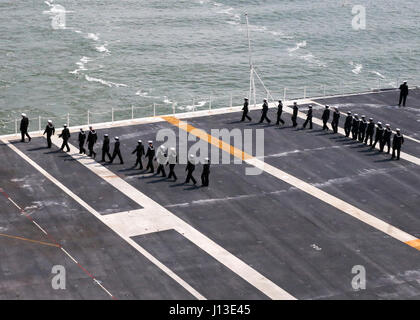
(357, 67)
(93, 36)
(299, 45)
(104, 82)
(103, 48)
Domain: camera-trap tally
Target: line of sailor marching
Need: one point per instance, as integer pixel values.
(163, 156)
(360, 129)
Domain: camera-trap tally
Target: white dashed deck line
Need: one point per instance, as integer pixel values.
(319, 122)
(151, 258)
(334, 201)
(161, 218)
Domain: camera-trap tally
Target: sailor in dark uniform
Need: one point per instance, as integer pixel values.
(139, 151)
(150, 155)
(347, 124)
(106, 148)
(162, 159)
(65, 135)
(91, 140)
(206, 172)
(172, 161)
(295, 114)
(403, 93)
(50, 131)
(24, 124)
(397, 142)
(355, 127)
(362, 129)
(308, 118)
(370, 131)
(325, 117)
(82, 139)
(117, 151)
(245, 111)
(378, 135)
(335, 120)
(279, 112)
(190, 169)
(264, 112)
(386, 139)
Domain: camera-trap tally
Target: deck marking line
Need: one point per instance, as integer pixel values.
(30, 218)
(39, 227)
(414, 243)
(30, 240)
(308, 188)
(150, 257)
(155, 211)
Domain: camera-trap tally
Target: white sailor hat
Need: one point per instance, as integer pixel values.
(245, 98)
(65, 125)
(49, 121)
(172, 149)
(139, 141)
(398, 130)
(106, 135)
(310, 106)
(207, 159)
(379, 122)
(387, 125)
(348, 112)
(363, 116)
(192, 156)
(327, 106)
(370, 119)
(116, 138)
(23, 114)
(150, 141)
(265, 99)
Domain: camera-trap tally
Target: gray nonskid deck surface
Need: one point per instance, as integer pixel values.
(195, 266)
(342, 167)
(302, 244)
(272, 226)
(99, 194)
(26, 267)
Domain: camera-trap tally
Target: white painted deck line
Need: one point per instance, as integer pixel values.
(319, 122)
(303, 186)
(334, 201)
(137, 222)
(155, 213)
(140, 249)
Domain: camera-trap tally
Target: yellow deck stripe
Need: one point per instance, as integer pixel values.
(209, 138)
(414, 243)
(300, 184)
(30, 240)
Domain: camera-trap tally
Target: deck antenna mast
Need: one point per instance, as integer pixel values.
(253, 72)
(251, 67)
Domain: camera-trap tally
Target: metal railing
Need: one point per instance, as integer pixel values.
(37, 124)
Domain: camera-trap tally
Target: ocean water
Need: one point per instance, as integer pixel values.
(133, 53)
